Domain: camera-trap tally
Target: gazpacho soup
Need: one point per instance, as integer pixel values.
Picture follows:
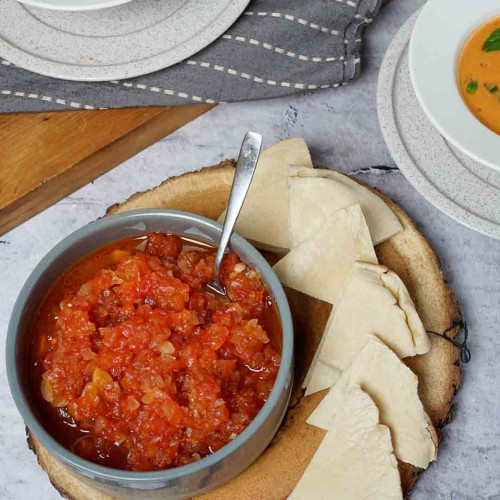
(479, 74)
(134, 366)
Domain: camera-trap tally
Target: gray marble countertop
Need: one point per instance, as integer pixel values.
(342, 131)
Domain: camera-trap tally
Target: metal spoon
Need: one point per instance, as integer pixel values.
(245, 168)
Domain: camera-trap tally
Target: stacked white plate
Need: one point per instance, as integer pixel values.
(119, 42)
(463, 188)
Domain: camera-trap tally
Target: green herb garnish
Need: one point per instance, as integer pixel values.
(492, 42)
(471, 87)
(492, 88)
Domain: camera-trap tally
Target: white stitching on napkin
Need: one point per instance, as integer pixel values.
(309, 24)
(182, 95)
(258, 79)
(46, 98)
(280, 50)
(348, 2)
(365, 19)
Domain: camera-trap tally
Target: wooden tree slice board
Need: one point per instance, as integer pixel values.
(277, 470)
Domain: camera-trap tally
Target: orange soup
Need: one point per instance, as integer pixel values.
(479, 74)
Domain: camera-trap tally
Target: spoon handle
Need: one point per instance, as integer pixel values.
(245, 168)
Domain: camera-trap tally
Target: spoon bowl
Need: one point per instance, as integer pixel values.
(245, 170)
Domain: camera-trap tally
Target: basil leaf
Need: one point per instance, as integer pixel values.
(492, 88)
(492, 42)
(471, 87)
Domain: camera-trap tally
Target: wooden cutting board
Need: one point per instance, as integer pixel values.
(46, 156)
(277, 470)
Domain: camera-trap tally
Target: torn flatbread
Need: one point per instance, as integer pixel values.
(394, 389)
(316, 194)
(264, 218)
(355, 460)
(374, 302)
(320, 266)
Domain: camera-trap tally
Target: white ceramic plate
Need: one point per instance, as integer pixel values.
(74, 4)
(437, 39)
(464, 189)
(115, 43)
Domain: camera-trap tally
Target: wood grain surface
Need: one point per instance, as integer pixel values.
(46, 156)
(275, 473)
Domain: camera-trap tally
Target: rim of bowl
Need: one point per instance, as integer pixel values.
(95, 5)
(108, 473)
(444, 105)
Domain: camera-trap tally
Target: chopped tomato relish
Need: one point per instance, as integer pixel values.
(136, 367)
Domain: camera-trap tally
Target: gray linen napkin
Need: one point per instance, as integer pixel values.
(276, 48)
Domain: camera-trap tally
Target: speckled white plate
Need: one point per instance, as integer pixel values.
(115, 43)
(464, 189)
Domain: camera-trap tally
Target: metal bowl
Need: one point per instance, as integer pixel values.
(180, 482)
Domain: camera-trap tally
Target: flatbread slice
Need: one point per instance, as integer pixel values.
(393, 387)
(355, 460)
(320, 266)
(316, 194)
(264, 218)
(374, 302)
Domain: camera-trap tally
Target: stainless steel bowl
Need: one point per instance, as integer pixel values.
(180, 482)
